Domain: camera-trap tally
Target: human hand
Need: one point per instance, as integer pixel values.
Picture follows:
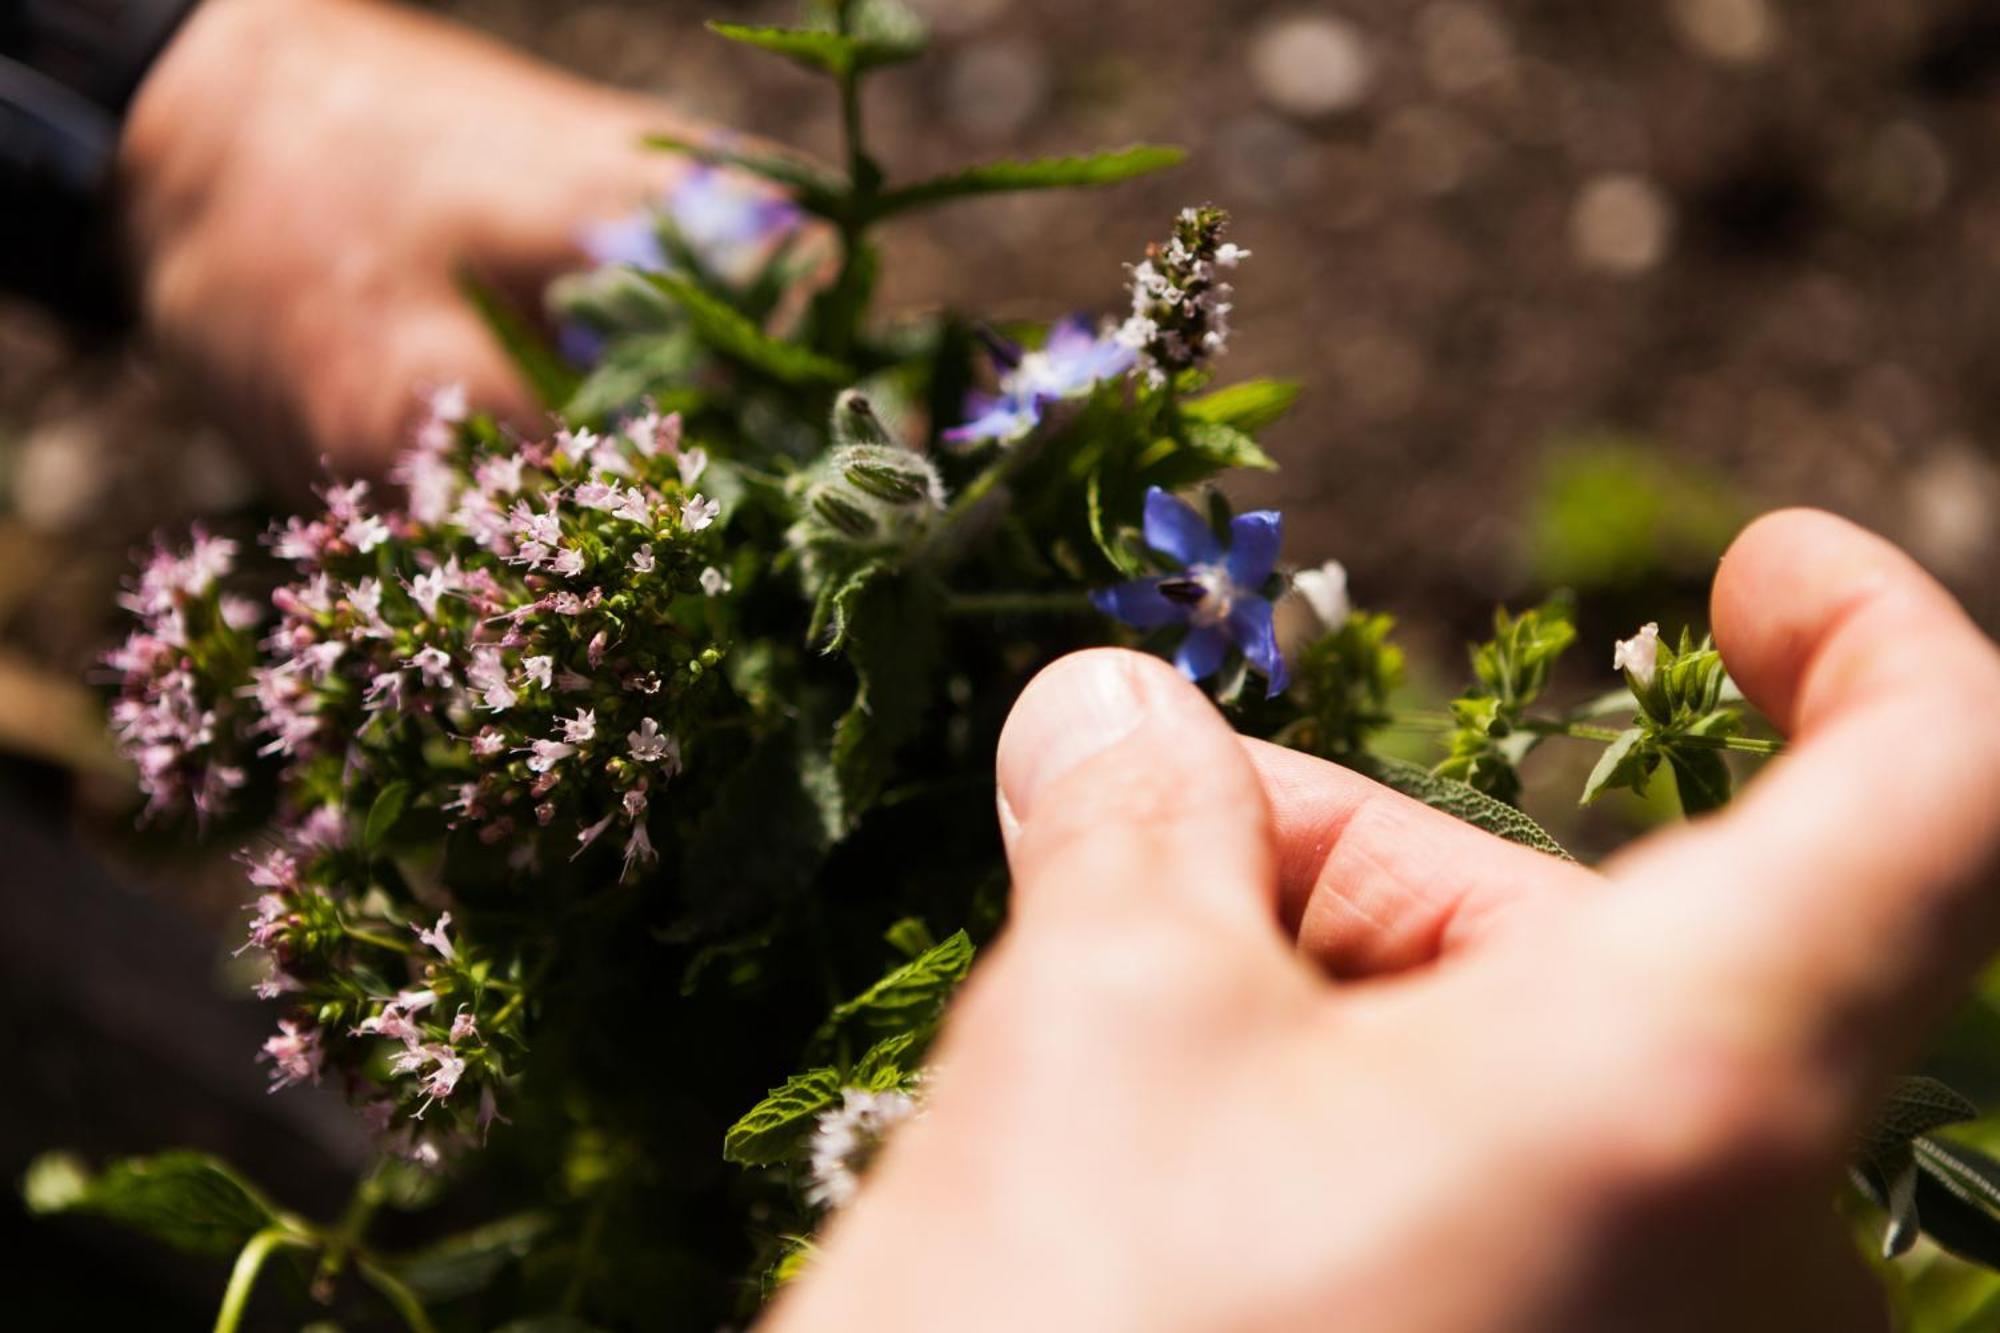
(305, 178)
(1531, 1097)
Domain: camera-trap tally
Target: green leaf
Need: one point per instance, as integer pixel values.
(777, 1127)
(384, 815)
(1700, 776)
(469, 1262)
(1915, 1105)
(910, 936)
(890, 1062)
(1957, 1195)
(888, 626)
(763, 838)
(636, 368)
(908, 999)
(1046, 173)
(812, 186)
(1249, 406)
(730, 334)
(1626, 762)
(188, 1200)
(1457, 799)
(828, 52)
(544, 370)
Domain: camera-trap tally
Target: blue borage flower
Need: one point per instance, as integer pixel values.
(1217, 593)
(1072, 361)
(727, 221)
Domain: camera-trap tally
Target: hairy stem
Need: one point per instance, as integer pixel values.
(396, 1293)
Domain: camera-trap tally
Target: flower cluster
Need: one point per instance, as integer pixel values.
(176, 672)
(1180, 302)
(846, 1139)
(1072, 361)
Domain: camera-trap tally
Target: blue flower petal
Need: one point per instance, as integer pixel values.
(1173, 528)
(995, 418)
(1255, 630)
(1139, 604)
(580, 344)
(1202, 652)
(1253, 547)
(633, 239)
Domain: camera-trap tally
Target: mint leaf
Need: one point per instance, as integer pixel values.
(910, 998)
(889, 627)
(1045, 173)
(469, 1262)
(777, 1127)
(189, 1200)
(826, 52)
(1249, 406)
(730, 334)
(384, 815)
(1700, 776)
(812, 187)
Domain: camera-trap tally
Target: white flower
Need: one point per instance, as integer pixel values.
(1325, 591)
(498, 477)
(697, 513)
(597, 494)
(538, 670)
(580, 729)
(568, 562)
(435, 664)
(1639, 655)
(365, 532)
(692, 464)
(488, 675)
(642, 560)
(634, 507)
(714, 582)
(847, 1138)
(650, 745)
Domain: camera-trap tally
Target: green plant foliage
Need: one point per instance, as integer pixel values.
(188, 1200)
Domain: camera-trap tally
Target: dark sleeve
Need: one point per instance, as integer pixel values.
(68, 70)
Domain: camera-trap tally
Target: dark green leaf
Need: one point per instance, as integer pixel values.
(466, 1263)
(1047, 173)
(539, 364)
(908, 999)
(1457, 799)
(762, 839)
(1626, 762)
(730, 334)
(188, 1200)
(384, 815)
(1249, 406)
(812, 186)
(1700, 776)
(778, 1126)
(636, 368)
(888, 626)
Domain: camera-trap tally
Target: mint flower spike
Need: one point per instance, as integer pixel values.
(1217, 592)
(1073, 360)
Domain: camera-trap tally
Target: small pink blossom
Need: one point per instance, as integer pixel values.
(697, 513)
(691, 465)
(650, 745)
(545, 755)
(435, 937)
(714, 582)
(580, 729)
(642, 560)
(295, 1055)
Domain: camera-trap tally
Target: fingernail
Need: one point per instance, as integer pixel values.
(1077, 709)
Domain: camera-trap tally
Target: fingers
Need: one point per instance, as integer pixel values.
(1372, 881)
(1126, 800)
(1846, 891)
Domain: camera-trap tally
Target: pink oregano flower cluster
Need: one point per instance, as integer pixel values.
(503, 660)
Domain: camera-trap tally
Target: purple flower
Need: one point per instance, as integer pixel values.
(1072, 362)
(726, 220)
(1217, 592)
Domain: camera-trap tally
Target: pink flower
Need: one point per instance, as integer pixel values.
(365, 532)
(488, 675)
(638, 849)
(642, 560)
(545, 755)
(650, 745)
(295, 1055)
(538, 670)
(580, 729)
(435, 664)
(435, 937)
(498, 477)
(463, 1026)
(691, 465)
(568, 562)
(697, 513)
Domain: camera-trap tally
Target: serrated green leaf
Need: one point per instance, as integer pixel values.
(188, 1200)
(540, 366)
(469, 1262)
(1249, 406)
(908, 999)
(1457, 799)
(890, 1062)
(384, 815)
(1700, 776)
(778, 1126)
(1626, 762)
(1915, 1105)
(1047, 173)
(730, 334)
(824, 51)
(812, 187)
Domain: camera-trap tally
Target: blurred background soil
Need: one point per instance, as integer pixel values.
(1574, 287)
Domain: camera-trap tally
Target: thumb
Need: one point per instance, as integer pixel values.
(1126, 799)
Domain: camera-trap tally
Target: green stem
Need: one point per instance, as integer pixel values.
(1584, 731)
(346, 1238)
(396, 1293)
(369, 937)
(1016, 603)
(243, 1277)
(1012, 459)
